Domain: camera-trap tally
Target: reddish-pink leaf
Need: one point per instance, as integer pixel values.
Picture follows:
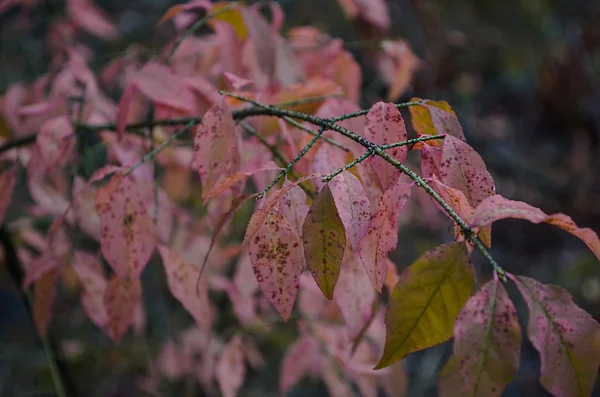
(121, 298)
(352, 205)
(230, 370)
(463, 168)
(123, 110)
(445, 122)
(487, 345)
(302, 357)
(87, 16)
(293, 207)
(214, 144)
(431, 161)
(45, 291)
(354, 294)
(497, 207)
(234, 179)
(278, 261)
(7, 184)
(454, 198)
(328, 159)
(259, 216)
(55, 141)
(373, 11)
(182, 278)
(127, 231)
(84, 207)
(382, 234)
(93, 282)
(567, 338)
(263, 39)
(384, 125)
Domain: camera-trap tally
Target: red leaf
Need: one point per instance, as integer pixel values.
(353, 206)
(93, 282)
(497, 207)
(230, 370)
(45, 291)
(487, 345)
(121, 298)
(127, 231)
(278, 261)
(381, 236)
(215, 144)
(455, 198)
(7, 184)
(183, 284)
(384, 125)
(567, 338)
(463, 168)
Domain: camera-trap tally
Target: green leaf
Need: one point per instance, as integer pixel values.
(487, 345)
(324, 241)
(426, 301)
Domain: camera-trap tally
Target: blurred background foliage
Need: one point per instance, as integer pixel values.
(523, 77)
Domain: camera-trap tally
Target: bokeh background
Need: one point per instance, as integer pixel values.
(524, 79)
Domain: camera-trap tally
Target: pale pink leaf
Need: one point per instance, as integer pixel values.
(445, 122)
(301, 358)
(84, 207)
(7, 184)
(354, 294)
(353, 206)
(381, 236)
(496, 207)
(328, 159)
(182, 278)
(375, 12)
(121, 298)
(566, 336)
(487, 345)
(293, 207)
(463, 168)
(123, 110)
(93, 284)
(230, 370)
(278, 261)
(384, 125)
(87, 16)
(127, 231)
(263, 39)
(237, 82)
(215, 144)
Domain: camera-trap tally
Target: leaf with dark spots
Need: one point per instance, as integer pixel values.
(121, 298)
(435, 118)
(567, 338)
(487, 345)
(381, 236)
(278, 261)
(324, 240)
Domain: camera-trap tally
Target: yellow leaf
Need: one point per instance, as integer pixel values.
(426, 301)
(233, 17)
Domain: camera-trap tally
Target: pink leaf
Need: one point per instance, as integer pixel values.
(454, 198)
(384, 125)
(354, 294)
(374, 11)
(445, 122)
(127, 231)
(431, 161)
(123, 109)
(7, 184)
(88, 17)
(382, 234)
(567, 338)
(235, 178)
(262, 37)
(214, 144)
(302, 357)
(237, 82)
(121, 298)
(496, 207)
(278, 261)
(85, 208)
(230, 370)
(293, 207)
(93, 282)
(182, 278)
(259, 216)
(463, 168)
(487, 345)
(353, 206)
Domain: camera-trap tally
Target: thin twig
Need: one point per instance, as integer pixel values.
(412, 141)
(365, 111)
(354, 162)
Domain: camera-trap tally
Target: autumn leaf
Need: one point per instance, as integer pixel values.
(182, 278)
(487, 345)
(7, 185)
(293, 206)
(324, 241)
(426, 301)
(435, 118)
(214, 144)
(230, 370)
(381, 236)
(121, 297)
(384, 125)
(55, 141)
(431, 161)
(302, 357)
(278, 261)
(567, 338)
(233, 179)
(44, 294)
(127, 232)
(93, 282)
(496, 207)
(352, 205)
